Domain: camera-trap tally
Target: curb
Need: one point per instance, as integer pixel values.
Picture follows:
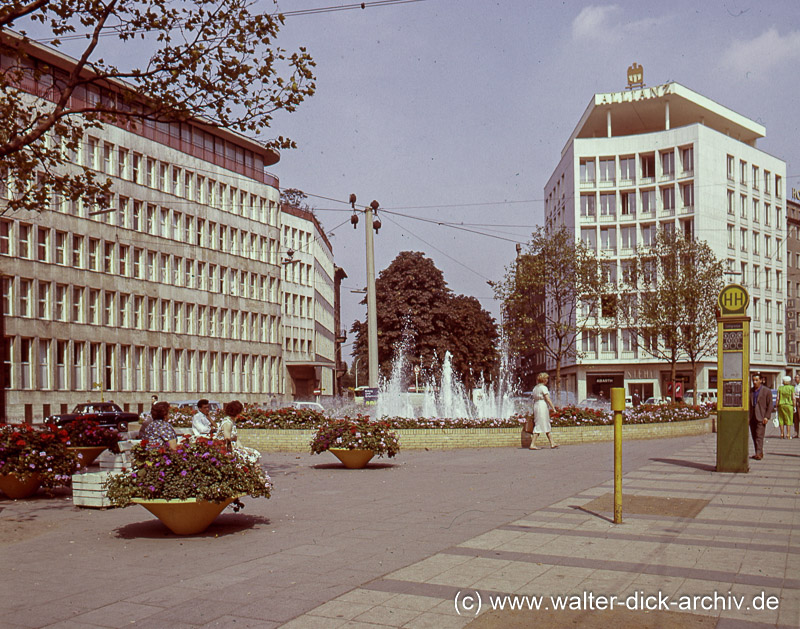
(284, 440)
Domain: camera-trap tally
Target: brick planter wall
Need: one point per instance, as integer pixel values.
(444, 439)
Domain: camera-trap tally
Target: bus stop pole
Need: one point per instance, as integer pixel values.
(617, 406)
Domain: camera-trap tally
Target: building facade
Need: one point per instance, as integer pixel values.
(310, 307)
(173, 288)
(669, 158)
(793, 281)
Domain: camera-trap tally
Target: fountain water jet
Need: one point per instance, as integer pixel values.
(446, 399)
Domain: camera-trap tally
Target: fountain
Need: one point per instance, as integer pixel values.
(446, 398)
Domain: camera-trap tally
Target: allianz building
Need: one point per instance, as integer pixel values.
(666, 157)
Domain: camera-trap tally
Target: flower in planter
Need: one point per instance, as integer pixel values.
(25, 450)
(356, 434)
(200, 468)
(83, 433)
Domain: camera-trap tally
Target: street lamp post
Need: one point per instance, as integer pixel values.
(372, 317)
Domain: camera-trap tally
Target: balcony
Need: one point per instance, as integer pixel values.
(687, 209)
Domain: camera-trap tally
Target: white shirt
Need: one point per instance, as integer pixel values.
(201, 425)
(797, 392)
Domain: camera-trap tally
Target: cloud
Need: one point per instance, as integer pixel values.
(764, 52)
(610, 23)
(594, 21)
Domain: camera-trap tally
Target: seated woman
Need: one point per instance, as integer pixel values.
(158, 432)
(226, 431)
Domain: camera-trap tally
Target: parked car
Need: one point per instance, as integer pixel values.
(656, 400)
(704, 396)
(106, 414)
(593, 402)
(311, 406)
(192, 404)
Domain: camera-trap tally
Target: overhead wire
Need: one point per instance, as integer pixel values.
(295, 13)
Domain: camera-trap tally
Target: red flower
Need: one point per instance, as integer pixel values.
(21, 443)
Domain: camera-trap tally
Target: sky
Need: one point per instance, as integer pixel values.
(456, 111)
(452, 114)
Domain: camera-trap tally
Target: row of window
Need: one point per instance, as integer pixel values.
(126, 261)
(154, 220)
(630, 236)
(745, 237)
(750, 209)
(121, 162)
(626, 201)
(77, 304)
(609, 173)
(757, 277)
(630, 342)
(760, 179)
(56, 364)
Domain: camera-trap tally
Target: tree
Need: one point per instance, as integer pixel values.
(295, 198)
(551, 294)
(211, 59)
(670, 294)
(417, 311)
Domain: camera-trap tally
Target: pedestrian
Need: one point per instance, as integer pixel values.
(637, 400)
(797, 405)
(202, 424)
(146, 417)
(226, 431)
(541, 410)
(786, 404)
(158, 432)
(760, 411)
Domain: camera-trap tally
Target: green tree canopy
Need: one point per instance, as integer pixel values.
(551, 294)
(212, 59)
(670, 296)
(416, 310)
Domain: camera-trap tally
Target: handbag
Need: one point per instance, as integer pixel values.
(775, 422)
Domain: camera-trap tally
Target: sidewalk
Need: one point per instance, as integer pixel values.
(393, 545)
(687, 534)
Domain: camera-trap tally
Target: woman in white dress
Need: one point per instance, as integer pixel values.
(226, 431)
(541, 410)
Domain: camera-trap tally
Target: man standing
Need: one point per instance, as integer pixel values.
(797, 405)
(202, 424)
(760, 411)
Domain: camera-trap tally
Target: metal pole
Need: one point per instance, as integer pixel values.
(617, 405)
(372, 319)
(355, 367)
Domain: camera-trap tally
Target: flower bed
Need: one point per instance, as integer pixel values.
(200, 468)
(355, 434)
(25, 451)
(253, 417)
(83, 433)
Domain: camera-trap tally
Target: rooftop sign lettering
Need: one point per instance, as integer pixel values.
(631, 96)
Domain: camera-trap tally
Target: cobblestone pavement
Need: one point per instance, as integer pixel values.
(397, 543)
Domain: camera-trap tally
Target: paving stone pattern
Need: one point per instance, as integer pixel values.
(394, 544)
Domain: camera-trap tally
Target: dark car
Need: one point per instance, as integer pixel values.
(106, 414)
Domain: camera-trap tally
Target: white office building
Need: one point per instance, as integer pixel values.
(309, 313)
(173, 289)
(667, 157)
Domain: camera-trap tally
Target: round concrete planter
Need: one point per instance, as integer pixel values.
(14, 488)
(353, 459)
(88, 454)
(184, 517)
